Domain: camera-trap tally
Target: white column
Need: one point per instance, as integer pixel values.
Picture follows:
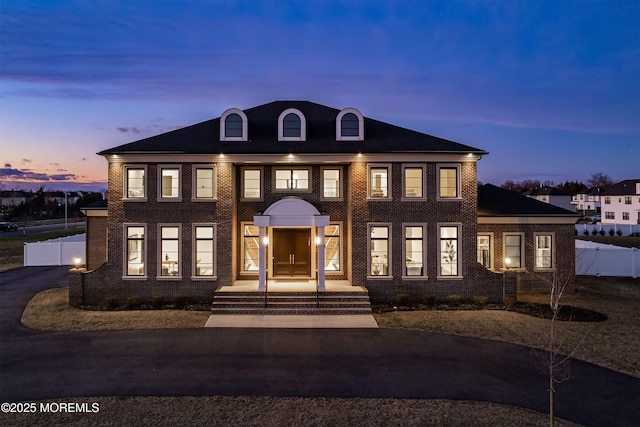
(321, 262)
(262, 255)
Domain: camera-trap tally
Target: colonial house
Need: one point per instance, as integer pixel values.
(588, 201)
(552, 196)
(294, 191)
(621, 204)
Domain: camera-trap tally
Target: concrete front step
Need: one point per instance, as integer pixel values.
(308, 303)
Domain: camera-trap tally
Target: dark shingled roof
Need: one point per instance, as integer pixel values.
(622, 188)
(546, 191)
(100, 204)
(204, 138)
(496, 201)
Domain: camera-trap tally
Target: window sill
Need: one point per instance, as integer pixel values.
(250, 199)
(204, 278)
(167, 278)
(135, 277)
(379, 277)
(379, 199)
(169, 199)
(448, 199)
(203, 199)
(135, 199)
(413, 199)
(450, 277)
(414, 278)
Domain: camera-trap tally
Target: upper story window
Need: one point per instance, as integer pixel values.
(379, 181)
(233, 125)
(292, 179)
(627, 200)
(413, 181)
(204, 182)
(607, 200)
(331, 183)
(349, 125)
(292, 126)
(169, 182)
(135, 183)
(252, 184)
(449, 182)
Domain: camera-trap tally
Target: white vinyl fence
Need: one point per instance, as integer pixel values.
(60, 251)
(625, 229)
(596, 259)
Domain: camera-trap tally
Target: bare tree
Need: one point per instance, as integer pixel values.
(600, 180)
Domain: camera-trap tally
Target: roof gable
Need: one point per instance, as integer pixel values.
(204, 138)
(496, 201)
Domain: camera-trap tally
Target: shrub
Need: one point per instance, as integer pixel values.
(480, 300)
(179, 301)
(157, 301)
(594, 232)
(602, 232)
(611, 232)
(402, 300)
(429, 299)
(619, 233)
(113, 303)
(585, 232)
(132, 303)
(454, 299)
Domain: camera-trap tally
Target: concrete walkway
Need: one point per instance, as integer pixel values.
(36, 365)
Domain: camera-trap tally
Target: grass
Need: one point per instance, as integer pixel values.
(12, 247)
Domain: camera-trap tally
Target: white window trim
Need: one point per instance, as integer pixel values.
(424, 250)
(194, 251)
(303, 126)
(341, 249)
(194, 182)
(252, 199)
(389, 168)
(459, 253)
(159, 275)
(553, 251)
(389, 226)
(245, 125)
(341, 114)
(125, 252)
(522, 251)
(404, 182)
(458, 168)
(291, 190)
(159, 194)
(125, 184)
(491, 249)
(340, 197)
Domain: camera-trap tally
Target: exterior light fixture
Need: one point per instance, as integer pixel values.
(265, 240)
(77, 261)
(507, 262)
(317, 240)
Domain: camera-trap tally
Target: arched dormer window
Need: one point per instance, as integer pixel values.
(292, 126)
(233, 125)
(349, 125)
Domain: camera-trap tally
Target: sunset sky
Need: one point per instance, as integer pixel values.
(551, 88)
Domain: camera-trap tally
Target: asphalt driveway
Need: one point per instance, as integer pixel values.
(287, 362)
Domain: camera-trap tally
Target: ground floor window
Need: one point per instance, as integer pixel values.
(484, 250)
(414, 250)
(332, 254)
(169, 250)
(250, 248)
(204, 250)
(449, 257)
(544, 251)
(135, 256)
(513, 250)
(379, 255)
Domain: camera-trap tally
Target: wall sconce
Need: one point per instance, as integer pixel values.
(507, 262)
(265, 240)
(77, 261)
(317, 239)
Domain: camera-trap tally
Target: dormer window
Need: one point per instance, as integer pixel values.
(292, 126)
(349, 125)
(233, 125)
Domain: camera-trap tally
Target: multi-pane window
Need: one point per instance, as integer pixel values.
(484, 250)
(414, 250)
(135, 183)
(544, 251)
(169, 250)
(331, 184)
(252, 183)
(379, 181)
(448, 181)
(625, 216)
(292, 179)
(233, 125)
(291, 125)
(379, 236)
(610, 215)
(250, 248)
(449, 251)
(169, 183)
(205, 182)
(135, 250)
(332, 247)
(350, 125)
(513, 250)
(204, 250)
(627, 200)
(607, 200)
(413, 181)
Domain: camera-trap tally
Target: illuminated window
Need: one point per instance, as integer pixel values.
(169, 180)
(169, 250)
(484, 250)
(250, 248)
(449, 256)
(332, 254)
(204, 250)
(292, 179)
(135, 256)
(544, 251)
(379, 255)
(204, 182)
(448, 182)
(379, 181)
(135, 183)
(413, 182)
(252, 184)
(414, 251)
(514, 250)
(331, 184)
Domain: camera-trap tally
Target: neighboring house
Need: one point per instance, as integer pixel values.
(523, 235)
(10, 199)
(58, 197)
(288, 190)
(553, 196)
(621, 203)
(587, 202)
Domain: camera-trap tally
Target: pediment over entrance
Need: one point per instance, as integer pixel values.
(290, 212)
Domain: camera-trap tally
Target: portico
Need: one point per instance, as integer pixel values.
(294, 221)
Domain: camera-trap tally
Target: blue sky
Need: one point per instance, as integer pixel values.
(550, 89)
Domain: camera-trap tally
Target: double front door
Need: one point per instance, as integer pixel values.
(292, 252)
